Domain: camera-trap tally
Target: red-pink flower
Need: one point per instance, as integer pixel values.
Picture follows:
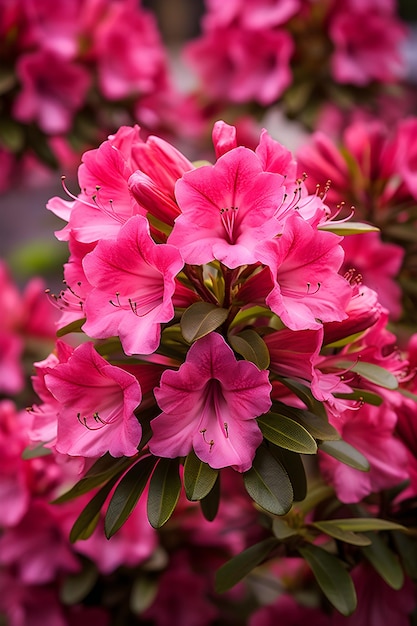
(226, 209)
(303, 264)
(210, 404)
(53, 89)
(134, 282)
(97, 403)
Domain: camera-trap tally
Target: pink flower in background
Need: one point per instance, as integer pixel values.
(53, 90)
(289, 612)
(379, 264)
(367, 47)
(240, 65)
(369, 429)
(210, 404)
(252, 14)
(303, 263)
(134, 282)
(102, 419)
(226, 209)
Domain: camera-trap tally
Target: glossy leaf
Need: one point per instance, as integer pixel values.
(384, 561)
(363, 524)
(164, 491)
(317, 425)
(200, 319)
(199, 477)
(282, 530)
(126, 495)
(332, 578)
(87, 521)
(362, 395)
(252, 347)
(347, 454)
(347, 228)
(210, 503)
(305, 395)
(285, 432)
(294, 467)
(373, 373)
(268, 483)
(242, 564)
(332, 529)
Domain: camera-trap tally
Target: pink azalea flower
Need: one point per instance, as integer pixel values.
(134, 281)
(210, 404)
(250, 13)
(238, 65)
(11, 371)
(367, 47)
(293, 353)
(303, 263)
(370, 430)
(379, 264)
(53, 89)
(226, 209)
(97, 406)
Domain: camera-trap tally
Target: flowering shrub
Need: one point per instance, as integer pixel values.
(299, 52)
(73, 72)
(209, 352)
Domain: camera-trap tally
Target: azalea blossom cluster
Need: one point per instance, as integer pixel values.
(299, 52)
(372, 169)
(209, 340)
(73, 72)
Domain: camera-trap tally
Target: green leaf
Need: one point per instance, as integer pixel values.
(347, 454)
(35, 451)
(164, 491)
(126, 495)
(200, 319)
(144, 590)
(348, 228)
(199, 477)
(87, 521)
(304, 393)
(373, 373)
(268, 483)
(75, 587)
(317, 425)
(103, 470)
(282, 530)
(384, 561)
(294, 467)
(73, 327)
(361, 395)
(242, 564)
(407, 549)
(332, 578)
(362, 524)
(284, 432)
(210, 504)
(252, 347)
(332, 529)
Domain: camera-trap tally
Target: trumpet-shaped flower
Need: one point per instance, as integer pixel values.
(210, 404)
(134, 281)
(97, 403)
(227, 209)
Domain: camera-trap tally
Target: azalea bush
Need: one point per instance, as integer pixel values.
(73, 72)
(302, 54)
(224, 432)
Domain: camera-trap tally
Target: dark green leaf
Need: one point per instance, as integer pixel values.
(344, 452)
(199, 477)
(144, 590)
(87, 521)
(361, 395)
(210, 504)
(384, 561)
(304, 393)
(362, 524)
(268, 484)
(252, 347)
(282, 530)
(164, 491)
(126, 495)
(347, 228)
(294, 467)
(332, 529)
(76, 587)
(407, 549)
(242, 564)
(286, 433)
(200, 319)
(105, 468)
(373, 373)
(332, 578)
(317, 425)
